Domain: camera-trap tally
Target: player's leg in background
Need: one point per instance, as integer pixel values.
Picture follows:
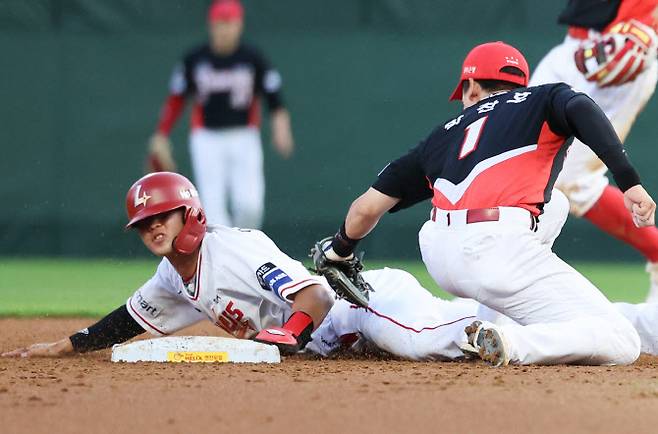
(622, 105)
(209, 163)
(583, 175)
(562, 317)
(246, 178)
(644, 317)
(403, 319)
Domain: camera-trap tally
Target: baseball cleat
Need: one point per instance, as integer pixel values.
(468, 348)
(487, 342)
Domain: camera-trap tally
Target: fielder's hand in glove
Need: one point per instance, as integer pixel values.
(159, 158)
(342, 273)
(292, 336)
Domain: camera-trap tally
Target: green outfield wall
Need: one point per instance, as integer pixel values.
(83, 80)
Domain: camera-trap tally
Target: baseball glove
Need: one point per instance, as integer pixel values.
(160, 158)
(618, 56)
(344, 277)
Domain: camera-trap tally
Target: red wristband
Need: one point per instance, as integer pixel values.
(298, 323)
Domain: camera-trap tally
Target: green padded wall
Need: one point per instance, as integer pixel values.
(83, 81)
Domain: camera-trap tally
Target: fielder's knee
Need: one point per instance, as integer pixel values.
(627, 343)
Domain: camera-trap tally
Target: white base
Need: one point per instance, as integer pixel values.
(196, 349)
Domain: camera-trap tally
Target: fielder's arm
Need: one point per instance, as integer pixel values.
(591, 126)
(282, 132)
(160, 157)
(114, 328)
(362, 217)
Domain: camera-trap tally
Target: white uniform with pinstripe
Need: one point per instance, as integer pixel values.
(245, 283)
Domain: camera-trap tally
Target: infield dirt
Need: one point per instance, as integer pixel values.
(89, 394)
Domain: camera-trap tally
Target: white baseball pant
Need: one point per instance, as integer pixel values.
(560, 316)
(583, 176)
(402, 318)
(228, 171)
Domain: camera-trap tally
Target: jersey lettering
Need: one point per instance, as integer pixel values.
(238, 82)
(473, 133)
(518, 97)
(453, 122)
(487, 106)
(146, 306)
(232, 321)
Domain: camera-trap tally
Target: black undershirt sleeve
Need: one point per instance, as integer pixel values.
(576, 114)
(114, 328)
(404, 179)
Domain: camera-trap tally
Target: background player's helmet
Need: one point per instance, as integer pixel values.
(160, 192)
(486, 62)
(225, 10)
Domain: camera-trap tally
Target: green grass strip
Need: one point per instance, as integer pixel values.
(91, 288)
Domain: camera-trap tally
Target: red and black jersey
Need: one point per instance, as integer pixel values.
(226, 89)
(506, 150)
(601, 15)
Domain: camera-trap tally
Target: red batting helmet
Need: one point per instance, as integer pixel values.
(486, 61)
(161, 192)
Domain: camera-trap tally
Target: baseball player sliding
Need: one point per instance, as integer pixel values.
(226, 79)
(609, 53)
(490, 170)
(239, 280)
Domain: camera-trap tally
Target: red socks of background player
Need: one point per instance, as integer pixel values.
(610, 215)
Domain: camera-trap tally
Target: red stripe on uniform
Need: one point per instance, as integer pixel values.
(399, 324)
(253, 119)
(197, 284)
(196, 117)
(288, 288)
(143, 319)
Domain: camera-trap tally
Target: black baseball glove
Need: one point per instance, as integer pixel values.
(344, 277)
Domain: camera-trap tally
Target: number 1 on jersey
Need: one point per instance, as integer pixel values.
(472, 137)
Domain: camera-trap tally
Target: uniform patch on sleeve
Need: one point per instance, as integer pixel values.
(272, 278)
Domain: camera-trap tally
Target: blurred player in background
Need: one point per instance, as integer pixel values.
(610, 54)
(226, 80)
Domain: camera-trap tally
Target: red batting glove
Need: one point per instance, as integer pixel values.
(292, 336)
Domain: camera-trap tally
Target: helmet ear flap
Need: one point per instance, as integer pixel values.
(193, 231)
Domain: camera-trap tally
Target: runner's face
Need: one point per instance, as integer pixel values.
(225, 35)
(159, 231)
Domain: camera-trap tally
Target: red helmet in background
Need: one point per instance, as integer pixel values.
(486, 62)
(161, 192)
(225, 10)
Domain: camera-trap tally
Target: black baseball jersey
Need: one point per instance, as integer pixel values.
(506, 150)
(592, 14)
(227, 88)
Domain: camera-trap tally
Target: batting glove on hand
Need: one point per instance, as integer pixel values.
(342, 274)
(292, 336)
